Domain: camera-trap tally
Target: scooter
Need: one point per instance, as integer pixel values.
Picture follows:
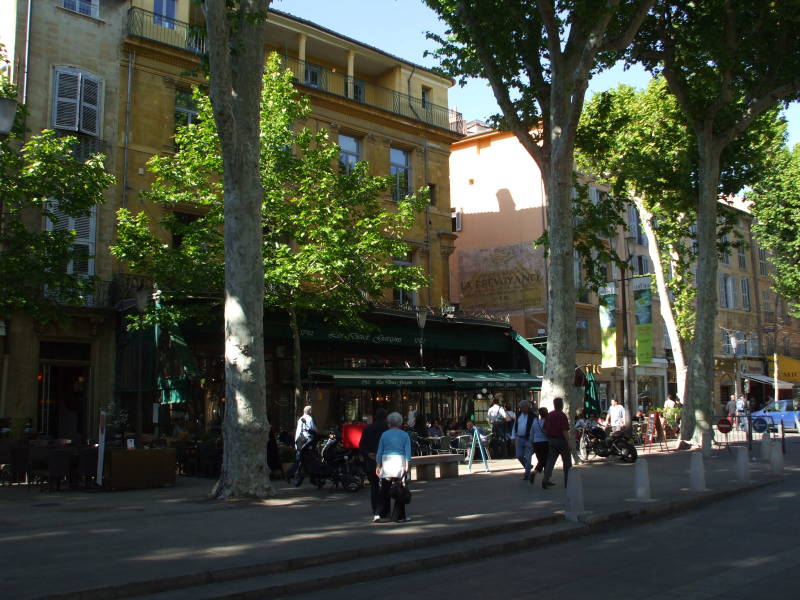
(332, 463)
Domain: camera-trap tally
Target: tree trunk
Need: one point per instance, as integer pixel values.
(697, 411)
(559, 375)
(236, 56)
(665, 304)
(297, 377)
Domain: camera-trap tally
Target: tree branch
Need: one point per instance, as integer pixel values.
(624, 40)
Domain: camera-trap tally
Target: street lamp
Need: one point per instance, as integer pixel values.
(8, 110)
(141, 306)
(422, 317)
(626, 387)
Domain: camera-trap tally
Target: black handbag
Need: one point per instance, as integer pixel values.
(400, 492)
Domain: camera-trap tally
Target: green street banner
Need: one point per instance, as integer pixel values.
(608, 329)
(643, 313)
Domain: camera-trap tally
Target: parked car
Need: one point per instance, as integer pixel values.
(787, 411)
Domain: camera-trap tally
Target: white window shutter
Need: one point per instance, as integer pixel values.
(91, 93)
(723, 300)
(66, 99)
(734, 294)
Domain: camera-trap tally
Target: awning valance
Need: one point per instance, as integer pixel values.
(766, 379)
(452, 379)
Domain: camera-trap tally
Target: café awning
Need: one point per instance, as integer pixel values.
(767, 380)
(469, 379)
(379, 378)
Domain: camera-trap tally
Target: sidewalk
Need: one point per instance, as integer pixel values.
(56, 543)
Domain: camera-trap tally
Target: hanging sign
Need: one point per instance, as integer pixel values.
(643, 313)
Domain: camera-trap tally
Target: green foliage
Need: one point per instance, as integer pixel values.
(31, 259)
(7, 88)
(640, 145)
(328, 240)
(776, 208)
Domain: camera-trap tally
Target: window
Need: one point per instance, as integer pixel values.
(741, 343)
(90, 8)
(164, 13)
(400, 296)
(667, 341)
(726, 342)
(77, 101)
(582, 294)
(359, 93)
(582, 328)
(313, 76)
(399, 173)
(762, 262)
(641, 264)
(84, 243)
(426, 97)
(726, 252)
(185, 108)
(727, 291)
(456, 220)
(742, 257)
(752, 344)
(745, 283)
(635, 225)
(349, 153)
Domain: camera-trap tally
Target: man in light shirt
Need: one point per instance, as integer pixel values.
(616, 416)
(521, 434)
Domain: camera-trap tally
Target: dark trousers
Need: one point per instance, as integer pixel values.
(557, 447)
(540, 449)
(375, 486)
(398, 510)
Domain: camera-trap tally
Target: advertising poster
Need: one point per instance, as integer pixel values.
(608, 330)
(643, 313)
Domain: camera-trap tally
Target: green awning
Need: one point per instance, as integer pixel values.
(476, 379)
(379, 378)
(529, 347)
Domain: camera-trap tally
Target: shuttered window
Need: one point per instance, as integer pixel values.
(77, 101)
(84, 243)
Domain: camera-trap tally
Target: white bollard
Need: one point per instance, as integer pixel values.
(574, 503)
(776, 458)
(641, 481)
(706, 444)
(697, 473)
(765, 441)
(742, 464)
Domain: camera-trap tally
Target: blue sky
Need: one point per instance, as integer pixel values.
(399, 26)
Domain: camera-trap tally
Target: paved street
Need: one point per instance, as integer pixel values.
(177, 543)
(741, 548)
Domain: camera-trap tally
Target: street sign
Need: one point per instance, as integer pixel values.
(724, 426)
(759, 425)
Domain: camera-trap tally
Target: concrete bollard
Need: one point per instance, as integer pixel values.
(697, 473)
(641, 481)
(776, 458)
(574, 504)
(706, 445)
(742, 464)
(765, 441)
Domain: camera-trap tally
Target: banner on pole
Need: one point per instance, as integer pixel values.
(608, 329)
(643, 313)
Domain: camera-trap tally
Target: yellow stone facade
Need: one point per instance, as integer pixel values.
(142, 59)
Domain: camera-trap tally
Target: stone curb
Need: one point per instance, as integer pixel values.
(588, 523)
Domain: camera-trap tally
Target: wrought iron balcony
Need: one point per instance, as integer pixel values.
(171, 32)
(363, 92)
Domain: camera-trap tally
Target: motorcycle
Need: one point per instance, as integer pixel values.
(594, 439)
(343, 468)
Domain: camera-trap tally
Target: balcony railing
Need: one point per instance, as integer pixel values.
(152, 26)
(363, 92)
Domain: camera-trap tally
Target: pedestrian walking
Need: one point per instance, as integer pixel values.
(521, 434)
(498, 417)
(556, 427)
(540, 445)
(370, 438)
(306, 430)
(392, 461)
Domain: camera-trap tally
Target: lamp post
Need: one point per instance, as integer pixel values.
(141, 306)
(626, 387)
(8, 110)
(422, 317)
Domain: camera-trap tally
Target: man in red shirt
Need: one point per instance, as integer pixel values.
(556, 428)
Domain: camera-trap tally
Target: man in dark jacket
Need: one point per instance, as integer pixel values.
(368, 446)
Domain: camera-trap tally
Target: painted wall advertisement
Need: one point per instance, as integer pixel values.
(608, 326)
(503, 278)
(643, 313)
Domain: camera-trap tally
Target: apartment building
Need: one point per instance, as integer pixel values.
(131, 64)
(499, 211)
